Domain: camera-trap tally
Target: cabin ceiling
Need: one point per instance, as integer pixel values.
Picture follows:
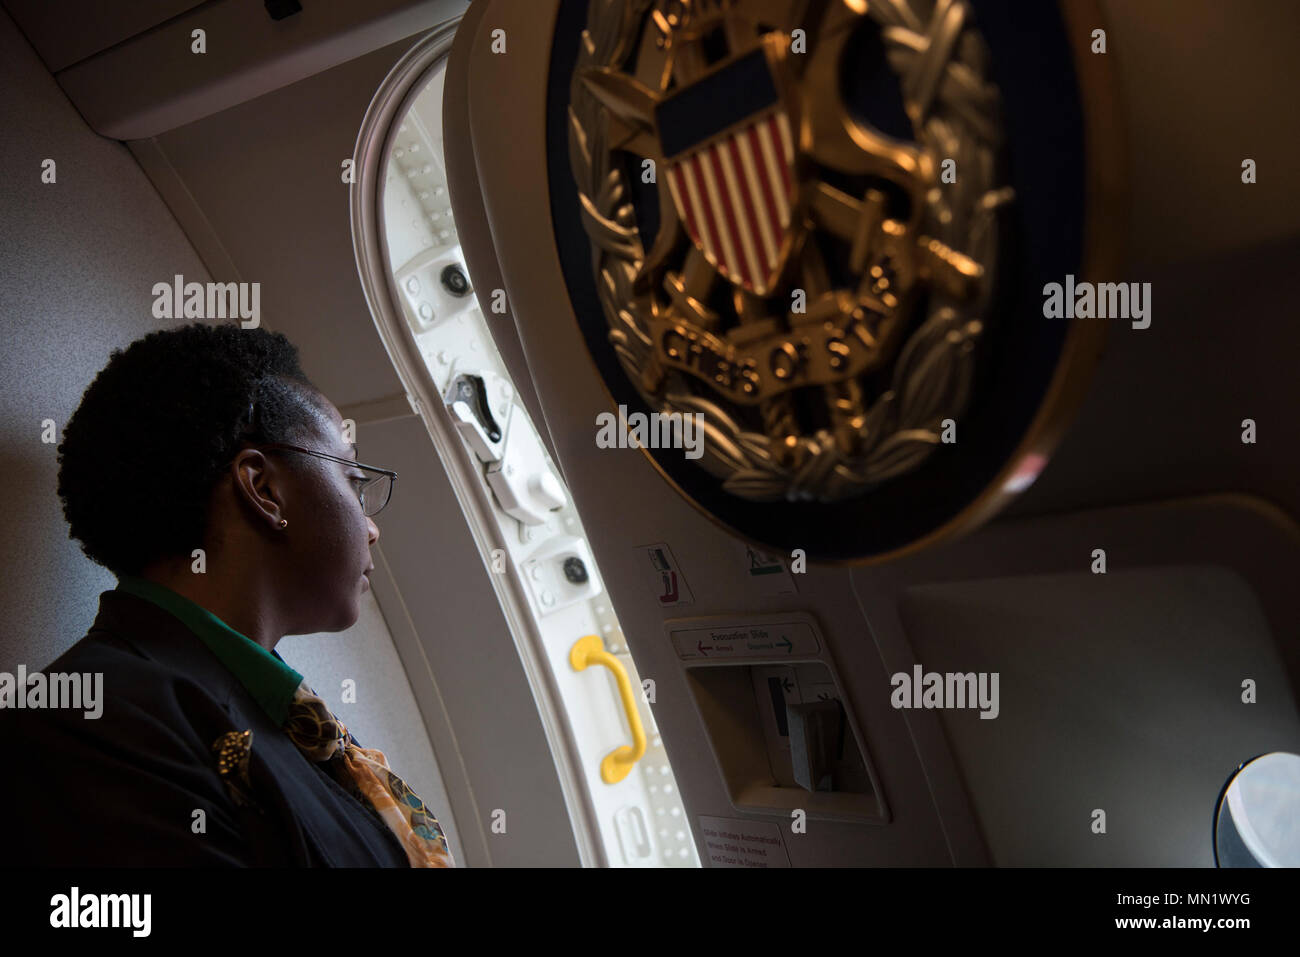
(246, 143)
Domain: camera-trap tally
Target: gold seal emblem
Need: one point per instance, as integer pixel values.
(816, 287)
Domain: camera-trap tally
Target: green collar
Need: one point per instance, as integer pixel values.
(264, 673)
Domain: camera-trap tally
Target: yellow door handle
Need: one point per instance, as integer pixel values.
(590, 650)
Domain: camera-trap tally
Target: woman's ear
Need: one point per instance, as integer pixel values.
(262, 485)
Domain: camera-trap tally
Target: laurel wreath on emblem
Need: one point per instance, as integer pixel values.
(743, 370)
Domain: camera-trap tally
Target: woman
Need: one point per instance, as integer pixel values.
(206, 472)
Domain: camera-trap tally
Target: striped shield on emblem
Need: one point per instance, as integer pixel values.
(729, 158)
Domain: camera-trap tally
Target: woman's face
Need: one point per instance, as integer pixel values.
(329, 536)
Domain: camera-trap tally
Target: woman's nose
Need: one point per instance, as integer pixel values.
(374, 530)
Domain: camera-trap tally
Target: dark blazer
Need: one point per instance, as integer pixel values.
(121, 790)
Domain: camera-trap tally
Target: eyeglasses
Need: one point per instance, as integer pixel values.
(374, 494)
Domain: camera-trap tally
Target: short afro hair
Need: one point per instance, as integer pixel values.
(144, 450)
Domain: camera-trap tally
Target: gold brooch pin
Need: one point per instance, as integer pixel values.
(232, 751)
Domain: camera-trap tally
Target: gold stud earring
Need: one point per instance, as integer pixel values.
(284, 522)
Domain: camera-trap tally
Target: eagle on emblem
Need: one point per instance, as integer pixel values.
(805, 288)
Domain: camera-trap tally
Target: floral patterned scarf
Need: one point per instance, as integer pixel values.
(323, 738)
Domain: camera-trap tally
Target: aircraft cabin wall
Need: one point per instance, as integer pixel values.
(1120, 693)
